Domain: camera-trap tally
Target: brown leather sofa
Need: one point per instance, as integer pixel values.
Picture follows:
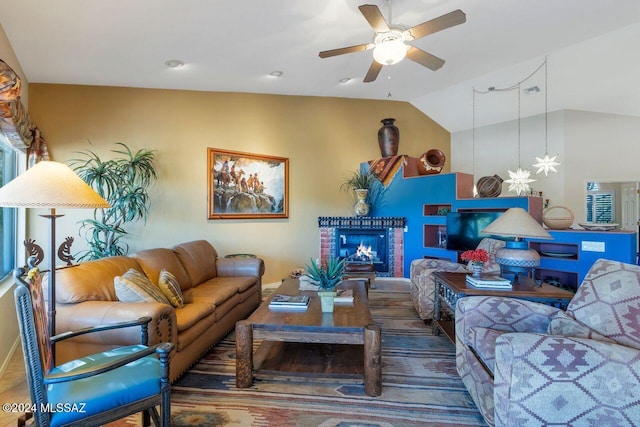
(217, 293)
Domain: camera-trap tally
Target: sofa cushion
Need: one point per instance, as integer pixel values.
(134, 286)
(192, 313)
(92, 280)
(565, 325)
(483, 343)
(170, 288)
(608, 301)
(153, 261)
(212, 292)
(199, 260)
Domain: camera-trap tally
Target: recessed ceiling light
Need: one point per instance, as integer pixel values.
(174, 63)
(345, 80)
(276, 73)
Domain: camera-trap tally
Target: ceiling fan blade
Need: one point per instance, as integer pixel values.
(423, 58)
(343, 50)
(450, 19)
(373, 72)
(374, 17)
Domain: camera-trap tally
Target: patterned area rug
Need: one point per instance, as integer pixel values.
(420, 384)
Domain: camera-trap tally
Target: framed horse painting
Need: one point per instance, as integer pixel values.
(245, 185)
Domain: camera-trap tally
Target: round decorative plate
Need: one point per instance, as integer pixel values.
(595, 226)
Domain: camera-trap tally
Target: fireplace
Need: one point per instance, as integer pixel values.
(381, 237)
(364, 246)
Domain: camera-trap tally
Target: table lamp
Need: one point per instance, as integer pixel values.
(516, 257)
(50, 185)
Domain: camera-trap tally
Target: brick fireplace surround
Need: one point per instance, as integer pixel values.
(395, 246)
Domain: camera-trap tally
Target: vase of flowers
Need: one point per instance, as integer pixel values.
(477, 258)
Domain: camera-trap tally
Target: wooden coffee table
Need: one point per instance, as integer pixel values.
(299, 342)
(449, 287)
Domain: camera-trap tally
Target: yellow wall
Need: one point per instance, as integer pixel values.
(324, 139)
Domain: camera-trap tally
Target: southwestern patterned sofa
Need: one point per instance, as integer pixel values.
(423, 287)
(529, 364)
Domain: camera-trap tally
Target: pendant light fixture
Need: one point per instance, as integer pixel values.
(546, 163)
(520, 179)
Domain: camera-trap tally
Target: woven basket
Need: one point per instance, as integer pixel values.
(557, 217)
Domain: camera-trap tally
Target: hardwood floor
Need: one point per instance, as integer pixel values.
(13, 387)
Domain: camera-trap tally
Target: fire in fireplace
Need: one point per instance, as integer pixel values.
(367, 246)
(382, 237)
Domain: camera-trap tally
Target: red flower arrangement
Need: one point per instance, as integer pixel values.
(476, 256)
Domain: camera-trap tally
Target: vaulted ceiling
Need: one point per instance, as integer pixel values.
(591, 47)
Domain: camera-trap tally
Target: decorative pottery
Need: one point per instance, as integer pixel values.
(598, 226)
(476, 269)
(361, 207)
(326, 301)
(432, 162)
(388, 138)
(489, 186)
(557, 217)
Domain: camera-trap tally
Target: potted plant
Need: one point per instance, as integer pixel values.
(124, 183)
(366, 187)
(327, 275)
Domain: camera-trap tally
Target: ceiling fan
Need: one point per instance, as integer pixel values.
(389, 45)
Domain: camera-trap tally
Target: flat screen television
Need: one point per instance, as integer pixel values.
(464, 229)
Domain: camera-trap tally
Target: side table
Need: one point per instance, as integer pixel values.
(449, 287)
(369, 275)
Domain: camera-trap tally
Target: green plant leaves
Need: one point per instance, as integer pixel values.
(122, 181)
(328, 274)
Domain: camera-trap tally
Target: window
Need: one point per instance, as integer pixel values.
(600, 204)
(7, 215)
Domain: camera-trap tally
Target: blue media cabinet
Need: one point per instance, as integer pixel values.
(422, 199)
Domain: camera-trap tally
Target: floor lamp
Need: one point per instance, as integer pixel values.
(50, 185)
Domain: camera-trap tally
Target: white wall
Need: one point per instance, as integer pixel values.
(603, 147)
(496, 152)
(591, 147)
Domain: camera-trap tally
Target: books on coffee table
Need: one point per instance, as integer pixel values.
(489, 281)
(299, 302)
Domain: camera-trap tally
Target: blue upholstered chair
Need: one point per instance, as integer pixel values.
(92, 390)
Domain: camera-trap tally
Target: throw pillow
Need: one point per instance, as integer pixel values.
(168, 284)
(134, 286)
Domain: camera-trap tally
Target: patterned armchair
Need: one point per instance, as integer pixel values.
(421, 275)
(530, 364)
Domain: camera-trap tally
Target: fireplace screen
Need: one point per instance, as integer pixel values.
(364, 246)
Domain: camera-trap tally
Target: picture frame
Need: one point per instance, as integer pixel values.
(246, 185)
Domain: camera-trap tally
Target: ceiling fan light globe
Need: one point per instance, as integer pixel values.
(390, 52)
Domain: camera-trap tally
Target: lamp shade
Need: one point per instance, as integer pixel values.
(50, 185)
(516, 222)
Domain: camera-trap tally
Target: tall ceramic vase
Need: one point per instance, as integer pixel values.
(388, 138)
(361, 207)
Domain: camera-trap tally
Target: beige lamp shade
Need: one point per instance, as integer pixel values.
(516, 222)
(50, 185)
